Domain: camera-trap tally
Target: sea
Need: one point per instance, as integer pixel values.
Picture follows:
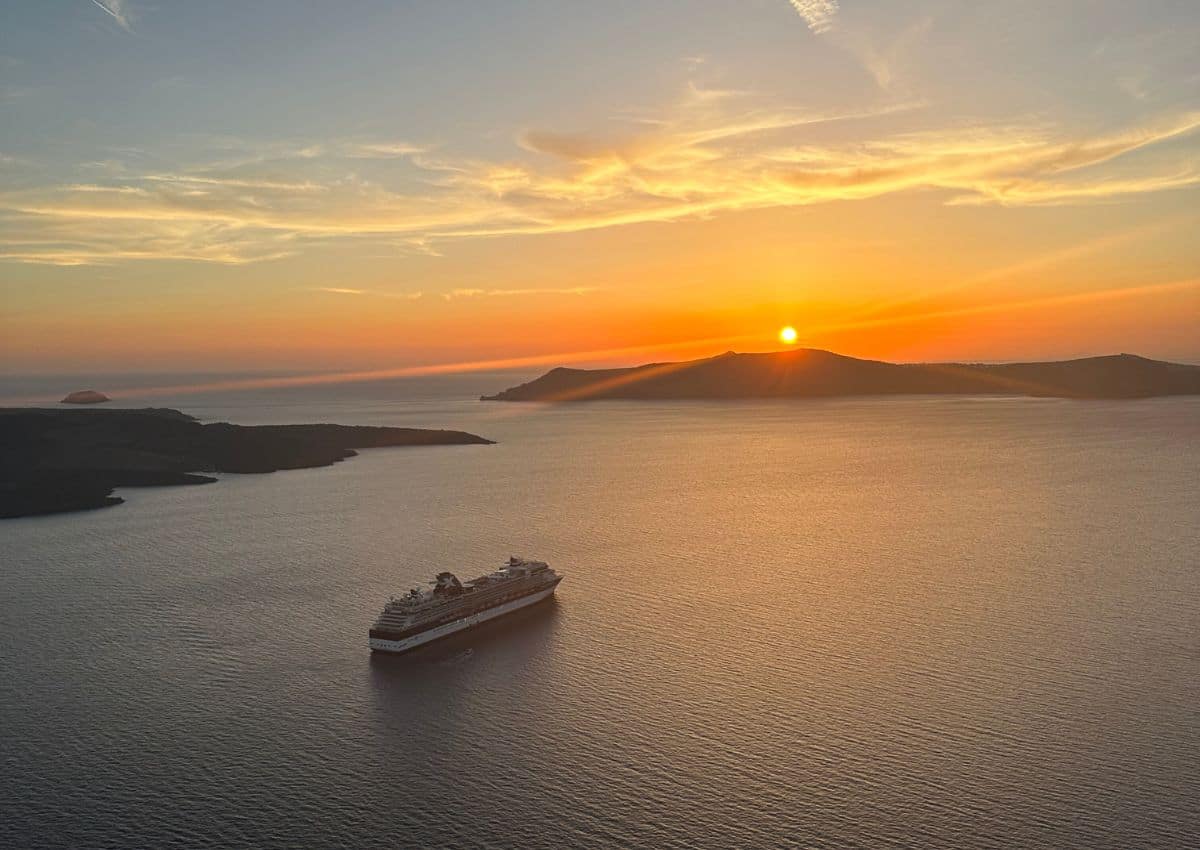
(918, 622)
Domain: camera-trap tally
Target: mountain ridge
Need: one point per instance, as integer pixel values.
(816, 373)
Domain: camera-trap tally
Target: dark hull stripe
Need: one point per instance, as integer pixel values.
(462, 631)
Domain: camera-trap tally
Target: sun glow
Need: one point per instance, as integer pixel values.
(788, 335)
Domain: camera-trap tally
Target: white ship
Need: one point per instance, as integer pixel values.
(421, 616)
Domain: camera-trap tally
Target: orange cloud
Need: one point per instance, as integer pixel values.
(701, 157)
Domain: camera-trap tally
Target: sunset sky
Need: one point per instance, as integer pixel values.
(313, 186)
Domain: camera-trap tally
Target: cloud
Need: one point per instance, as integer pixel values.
(383, 150)
(119, 10)
(818, 14)
(1006, 306)
(14, 93)
(341, 290)
(1006, 165)
(231, 182)
(699, 158)
(885, 56)
(505, 293)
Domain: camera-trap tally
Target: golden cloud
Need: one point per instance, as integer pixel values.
(704, 156)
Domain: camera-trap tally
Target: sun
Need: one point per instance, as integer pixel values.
(788, 335)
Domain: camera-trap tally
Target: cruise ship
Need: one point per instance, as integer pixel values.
(451, 606)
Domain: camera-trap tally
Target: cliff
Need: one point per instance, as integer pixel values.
(54, 460)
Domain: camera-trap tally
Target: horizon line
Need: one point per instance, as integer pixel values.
(281, 379)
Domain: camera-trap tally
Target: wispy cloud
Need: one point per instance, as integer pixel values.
(14, 93)
(1008, 165)
(119, 10)
(884, 56)
(233, 182)
(1011, 305)
(818, 14)
(383, 150)
(506, 293)
(700, 157)
(341, 290)
(456, 294)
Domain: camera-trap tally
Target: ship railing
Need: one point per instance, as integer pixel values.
(435, 612)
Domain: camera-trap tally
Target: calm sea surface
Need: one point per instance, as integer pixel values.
(864, 623)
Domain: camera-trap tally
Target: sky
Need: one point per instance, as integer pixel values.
(384, 185)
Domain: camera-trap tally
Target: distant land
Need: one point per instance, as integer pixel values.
(85, 397)
(812, 373)
(58, 460)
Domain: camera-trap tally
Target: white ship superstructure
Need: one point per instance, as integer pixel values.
(450, 606)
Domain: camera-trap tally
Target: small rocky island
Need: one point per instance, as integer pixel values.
(57, 460)
(84, 397)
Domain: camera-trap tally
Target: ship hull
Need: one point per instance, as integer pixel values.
(428, 636)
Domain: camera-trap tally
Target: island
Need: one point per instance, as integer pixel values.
(55, 460)
(809, 373)
(85, 397)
